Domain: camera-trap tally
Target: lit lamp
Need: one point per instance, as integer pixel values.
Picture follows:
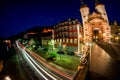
(111, 36)
(104, 34)
(117, 38)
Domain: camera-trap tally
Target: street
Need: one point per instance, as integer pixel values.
(41, 68)
(102, 66)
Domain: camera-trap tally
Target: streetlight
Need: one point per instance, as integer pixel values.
(78, 31)
(90, 45)
(7, 78)
(79, 36)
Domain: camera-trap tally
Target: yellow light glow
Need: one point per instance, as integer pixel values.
(117, 38)
(104, 34)
(7, 78)
(111, 36)
(99, 31)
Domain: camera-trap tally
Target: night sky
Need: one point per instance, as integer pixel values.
(19, 15)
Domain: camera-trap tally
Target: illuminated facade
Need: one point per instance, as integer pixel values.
(115, 32)
(66, 34)
(96, 25)
(46, 36)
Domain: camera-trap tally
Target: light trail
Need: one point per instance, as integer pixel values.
(31, 61)
(39, 66)
(50, 67)
(35, 67)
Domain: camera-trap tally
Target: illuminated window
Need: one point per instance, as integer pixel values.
(63, 40)
(69, 23)
(75, 40)
(71, 40)
(71, 34)
(57, 40)
(75, 34)
(74, 28)
(67, 40)
(73, 22)
(60, 40)
(70, 28)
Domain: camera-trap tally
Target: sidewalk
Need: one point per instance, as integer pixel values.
(81, 74)
(117, 50)
(112, 49)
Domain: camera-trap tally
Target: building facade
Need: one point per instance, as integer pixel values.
(96, 25)
(66, 34)
(115, 32)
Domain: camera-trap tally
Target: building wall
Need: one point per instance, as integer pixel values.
(115, 33)
(97, 21)
(66, 34)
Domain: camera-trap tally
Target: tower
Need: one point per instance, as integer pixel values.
(95, 25)
(101, 9)
(84, 9)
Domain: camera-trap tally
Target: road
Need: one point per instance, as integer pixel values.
(102, 66)
(40, 68)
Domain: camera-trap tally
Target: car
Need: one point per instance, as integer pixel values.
(60, 52)
(71, 53)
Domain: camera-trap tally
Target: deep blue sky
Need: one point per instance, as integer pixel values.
(19, 15)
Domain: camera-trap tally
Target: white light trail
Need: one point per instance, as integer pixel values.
(31, 61)
(39, 66)
(34, 66)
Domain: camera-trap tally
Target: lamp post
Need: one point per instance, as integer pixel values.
(90, 52)
(78, 31)
(53, 38)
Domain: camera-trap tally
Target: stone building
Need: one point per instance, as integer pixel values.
(95, 25)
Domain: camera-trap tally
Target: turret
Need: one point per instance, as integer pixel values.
(101, 9)
(84, 9)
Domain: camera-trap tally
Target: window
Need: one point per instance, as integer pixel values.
(75, 40)
(71, 40)
(71, 34)
(70, 23)
(75, 34)
(57, 40)
(73, 22)
(74, 27)
(70, 28)
(63, 40)
(60, 40)
(67, 40)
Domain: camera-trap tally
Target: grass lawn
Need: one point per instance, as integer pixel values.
(68, 62)
(65, 61)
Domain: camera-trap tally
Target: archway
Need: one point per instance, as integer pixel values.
(96, 37)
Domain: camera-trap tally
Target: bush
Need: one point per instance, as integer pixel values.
(45, 49)
(51, 56)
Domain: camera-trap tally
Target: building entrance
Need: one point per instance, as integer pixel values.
(97, 35)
